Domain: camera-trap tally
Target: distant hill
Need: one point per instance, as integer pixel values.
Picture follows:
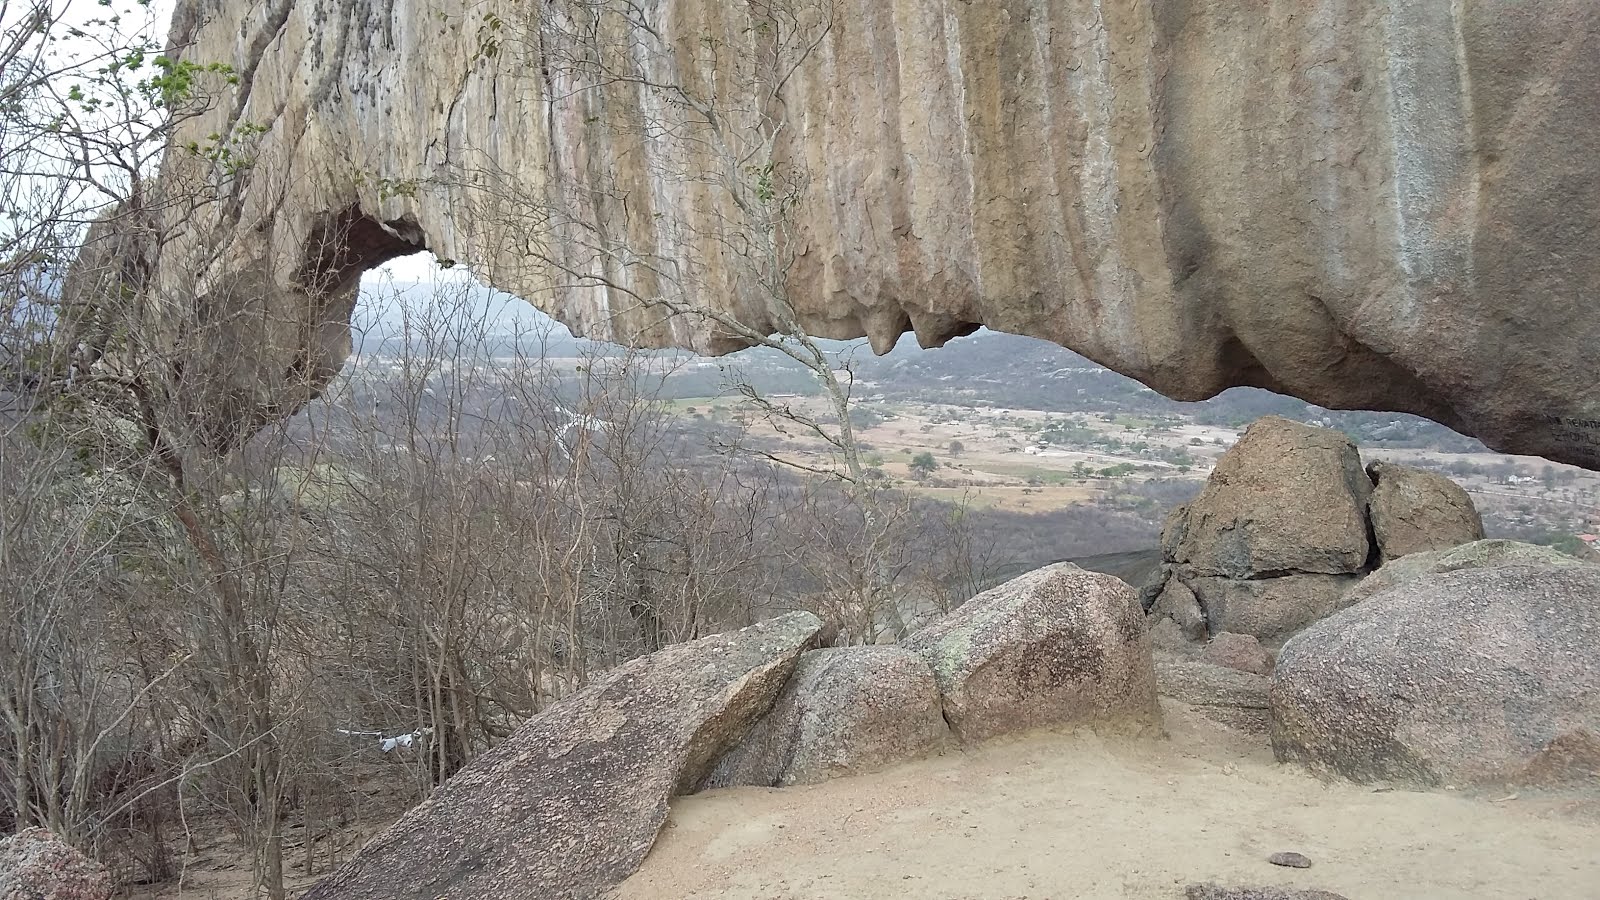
(985, 369)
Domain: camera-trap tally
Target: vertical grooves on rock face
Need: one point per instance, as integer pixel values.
(1436, 176)
(277, 18)
(1458, 14)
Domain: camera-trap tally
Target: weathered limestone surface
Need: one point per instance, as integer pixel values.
(570, 804)
(1384, 205)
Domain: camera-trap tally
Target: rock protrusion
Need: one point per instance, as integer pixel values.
(1237, 651)
(1572, 759)
(1176, 602)
(846, 711)
(1057, 646)
(1415, 511)
(35, 865)
(1227, 696)
(1476, 555)
(1466, 677)
(570, 804)
(1407, 224)
(1270, 609)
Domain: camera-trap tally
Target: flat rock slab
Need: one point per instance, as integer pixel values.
(1224, 695)
(1218, 892)
(569, 805)
(1476, 555)
(1270, 609)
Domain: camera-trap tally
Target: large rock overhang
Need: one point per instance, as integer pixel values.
(1366, 205)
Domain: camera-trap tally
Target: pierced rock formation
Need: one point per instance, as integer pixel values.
(1368, 206)
(1478, 676)
(1057, 646)
(846, 711)
(570, 804)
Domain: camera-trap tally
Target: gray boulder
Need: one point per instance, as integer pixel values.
(1270, 609)
(1057, 646)
(1415, 511)
(1287, 498)
(1465, 677)
(34, 865)
(1165, 636)
(1178, 603)
(569, 805)
(1274, 540)
(846, 711)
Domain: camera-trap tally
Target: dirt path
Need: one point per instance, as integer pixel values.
(1067, 816)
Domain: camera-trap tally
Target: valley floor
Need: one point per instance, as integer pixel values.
(1074, 816)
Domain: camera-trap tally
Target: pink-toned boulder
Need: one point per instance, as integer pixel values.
(34, 865)
(1478, 677)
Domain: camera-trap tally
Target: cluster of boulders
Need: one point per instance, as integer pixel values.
(576, 797)
(1287, 524)
(1055, 647)
(1351, 613)
(1359, 618)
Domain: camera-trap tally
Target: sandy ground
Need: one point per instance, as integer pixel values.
(1074, 816)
